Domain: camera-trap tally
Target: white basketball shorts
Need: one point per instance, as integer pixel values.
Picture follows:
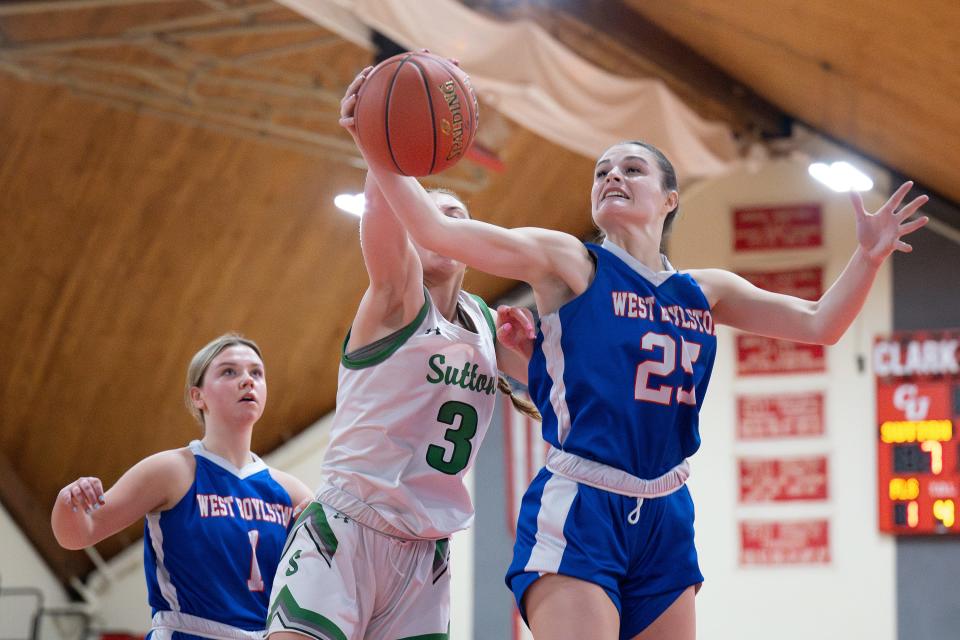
(340, 580)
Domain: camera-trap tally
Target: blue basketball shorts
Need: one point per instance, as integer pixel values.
(643, 562)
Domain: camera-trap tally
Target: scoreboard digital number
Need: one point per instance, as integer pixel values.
(918, 410)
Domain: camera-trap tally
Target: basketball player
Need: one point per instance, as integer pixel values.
(216, 514)
(619, 369)
(418, 377)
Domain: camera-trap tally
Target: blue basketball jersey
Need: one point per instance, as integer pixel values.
(210, 560)
(619, 372)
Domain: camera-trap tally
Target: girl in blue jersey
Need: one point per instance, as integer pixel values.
(216, 515)
(619, 369)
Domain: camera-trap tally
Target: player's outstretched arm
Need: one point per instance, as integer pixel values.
(737, 303)
(391, 262)
(84, 514)
(395, 293)
(529, 254)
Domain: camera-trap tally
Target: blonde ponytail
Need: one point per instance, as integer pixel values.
(522, 405)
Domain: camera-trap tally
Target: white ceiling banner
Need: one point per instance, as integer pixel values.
(521, 71)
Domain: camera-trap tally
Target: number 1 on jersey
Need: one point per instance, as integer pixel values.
(255, 581)
(663, 393)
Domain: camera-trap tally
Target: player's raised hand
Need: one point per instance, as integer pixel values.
(349, 102)
(880, 233)
(515, 329)
(83, 494)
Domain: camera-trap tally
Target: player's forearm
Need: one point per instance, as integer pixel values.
(840, 304)
(72, 529)
(512, 363)
(378, 216)
(413, 207)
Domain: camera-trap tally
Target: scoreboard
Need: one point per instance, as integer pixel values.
(918, 409)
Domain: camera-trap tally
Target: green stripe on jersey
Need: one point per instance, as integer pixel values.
(486, 314)
(429, 636)
(388, 349)
(290, 615)
(441, 556)
(314, 522)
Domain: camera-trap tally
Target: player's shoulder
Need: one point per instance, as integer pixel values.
(171, 462)
(708, 275)
(297, 490)
(166, 474)
(714, 283)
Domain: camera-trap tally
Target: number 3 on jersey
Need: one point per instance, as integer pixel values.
(459, 436)
(663, 393)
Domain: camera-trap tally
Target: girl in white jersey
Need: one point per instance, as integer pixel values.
(417, 382)
(605, 535)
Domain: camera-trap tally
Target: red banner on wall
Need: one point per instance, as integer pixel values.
(785, 415)
(796, 542)
(804, 283)
(796, 226)
(759, 355)
(783, 479)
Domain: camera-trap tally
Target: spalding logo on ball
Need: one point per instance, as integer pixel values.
(416, 114)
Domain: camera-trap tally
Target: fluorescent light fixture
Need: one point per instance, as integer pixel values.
(841, 176)
(352, 203)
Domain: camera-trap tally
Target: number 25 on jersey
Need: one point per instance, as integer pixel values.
(670, 352)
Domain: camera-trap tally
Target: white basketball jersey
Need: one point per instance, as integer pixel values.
(409, 421)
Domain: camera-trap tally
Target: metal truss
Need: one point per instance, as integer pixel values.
(240, 69)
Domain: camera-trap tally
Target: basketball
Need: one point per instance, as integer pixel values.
(416, 114)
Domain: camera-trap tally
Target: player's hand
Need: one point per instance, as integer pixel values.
(880, 233)
(348, 104)
(454, 61)
(300, 507)
(515, 329)
(83, 494)
(297, 510)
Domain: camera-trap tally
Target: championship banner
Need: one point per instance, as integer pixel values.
(780, 416)
(782, 479)
(758, 355)
(797, 226)
(787, 542)
(918, 448)
(525, 453)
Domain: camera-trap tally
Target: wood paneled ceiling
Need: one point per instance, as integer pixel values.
(168, 174)
(881, 77)
(168, 168)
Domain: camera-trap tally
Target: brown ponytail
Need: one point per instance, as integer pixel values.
(522, 405)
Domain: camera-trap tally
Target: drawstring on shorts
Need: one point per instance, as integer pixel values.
(634, 516)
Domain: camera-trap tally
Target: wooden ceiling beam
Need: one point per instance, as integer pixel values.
(44, 6)
(703, 85)
(33, 518)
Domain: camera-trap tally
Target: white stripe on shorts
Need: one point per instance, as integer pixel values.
(601, 476)
(555, 503)
(553, 356)
(166, 623)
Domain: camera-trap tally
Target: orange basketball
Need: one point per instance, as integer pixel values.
(416, 113)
